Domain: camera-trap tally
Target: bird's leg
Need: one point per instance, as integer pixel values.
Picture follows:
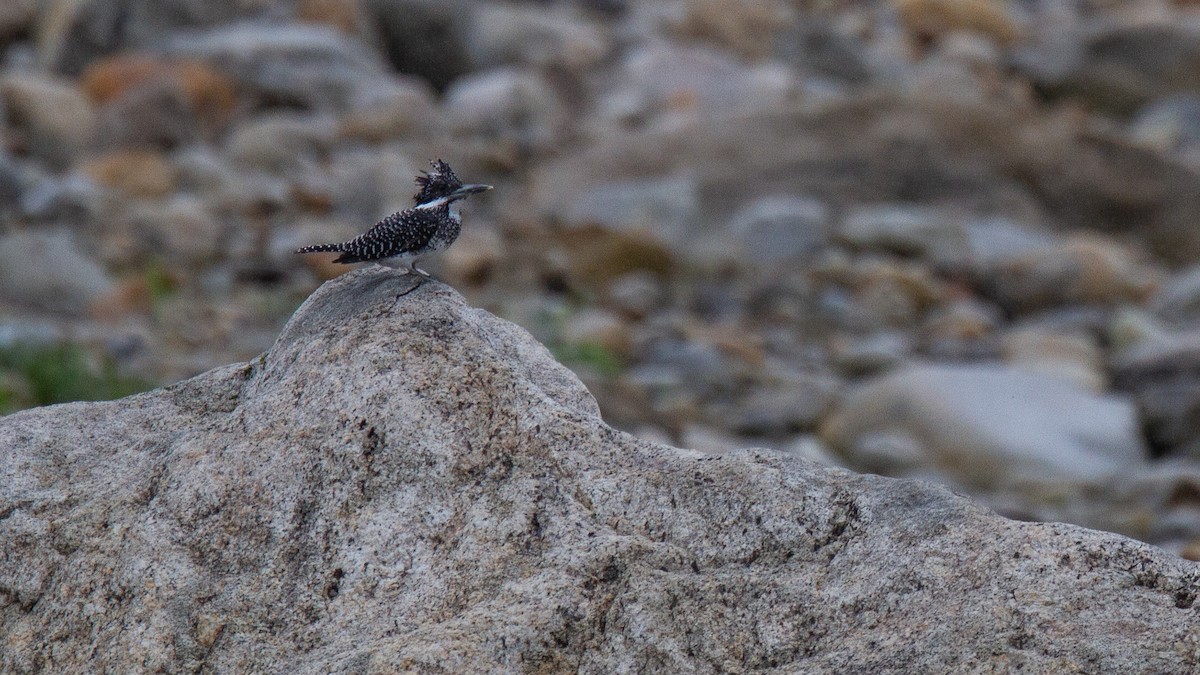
(412, 266)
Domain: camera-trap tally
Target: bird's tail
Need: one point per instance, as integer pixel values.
(323, 248)
(345, 258)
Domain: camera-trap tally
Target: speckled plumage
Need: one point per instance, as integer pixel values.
(429, 226)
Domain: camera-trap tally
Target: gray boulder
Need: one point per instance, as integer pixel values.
(404, 483)
(985, 425)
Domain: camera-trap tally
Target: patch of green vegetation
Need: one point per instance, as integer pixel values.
(549, 327)
(33, 375)
(594, 357)
(159, 282)
(8, 399)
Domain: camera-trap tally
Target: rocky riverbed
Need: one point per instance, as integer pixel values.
(926, 238)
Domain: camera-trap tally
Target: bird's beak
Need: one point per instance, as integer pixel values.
(468, 190)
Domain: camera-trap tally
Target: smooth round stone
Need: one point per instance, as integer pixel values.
(55, 114)
(1162, 373)
(508, 103)
(904, 229)
(989, 425)
(780, 227)
(859, 356)
(309, 66)
(540, 35)
(664, 208)
(44, 269)
(1075, 358)
(1168, 122)
(281, 142)
(1178, 299)
(388, 109)
(636, 294)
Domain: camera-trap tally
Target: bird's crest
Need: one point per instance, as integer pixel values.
(437, 183)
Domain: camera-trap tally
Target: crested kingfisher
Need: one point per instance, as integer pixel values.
(428, 227)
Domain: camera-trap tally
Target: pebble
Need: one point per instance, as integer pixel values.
(1075, 358)
(314, 67)
(663, 208)
(180, 230)
(598, 327)
(1162, 374)
(545, 37)
(681, 84)
(281, 143)
(929, 19)
(744, 27)
(149, 101)
(134, 173)
(785, 406)
(776, 228)
(477, 254)
(344, 15)
(389, 109)
(71, 35)
(506, 103)
(810, 448)
(73, 198)
(962, 320)
(994, 241)
(708, 440)
(636, 294)
(1127, 66)
(829, 52)
(1178, 299)
(1083, 269)
(905, 230)
(856, 357)
(1168, 123)
(17, 17)
(45, 269)
(423, 38)
(55, 117)
(12, 183)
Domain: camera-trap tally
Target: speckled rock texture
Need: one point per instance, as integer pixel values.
(407, 484)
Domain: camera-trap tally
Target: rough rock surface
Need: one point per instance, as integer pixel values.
(403, 482)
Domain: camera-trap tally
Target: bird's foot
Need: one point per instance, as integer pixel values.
(413, 269)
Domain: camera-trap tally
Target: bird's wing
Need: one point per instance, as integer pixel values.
(403, 232)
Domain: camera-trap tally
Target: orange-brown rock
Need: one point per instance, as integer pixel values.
(137, 173)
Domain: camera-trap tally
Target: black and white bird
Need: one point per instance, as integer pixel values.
(406, 236)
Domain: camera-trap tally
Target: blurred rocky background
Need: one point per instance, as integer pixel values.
(951, 239)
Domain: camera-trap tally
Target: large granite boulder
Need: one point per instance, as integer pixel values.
(404, 483)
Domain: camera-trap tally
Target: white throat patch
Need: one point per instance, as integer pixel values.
(440, 201)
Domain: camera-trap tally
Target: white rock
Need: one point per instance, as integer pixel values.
(989, 425)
